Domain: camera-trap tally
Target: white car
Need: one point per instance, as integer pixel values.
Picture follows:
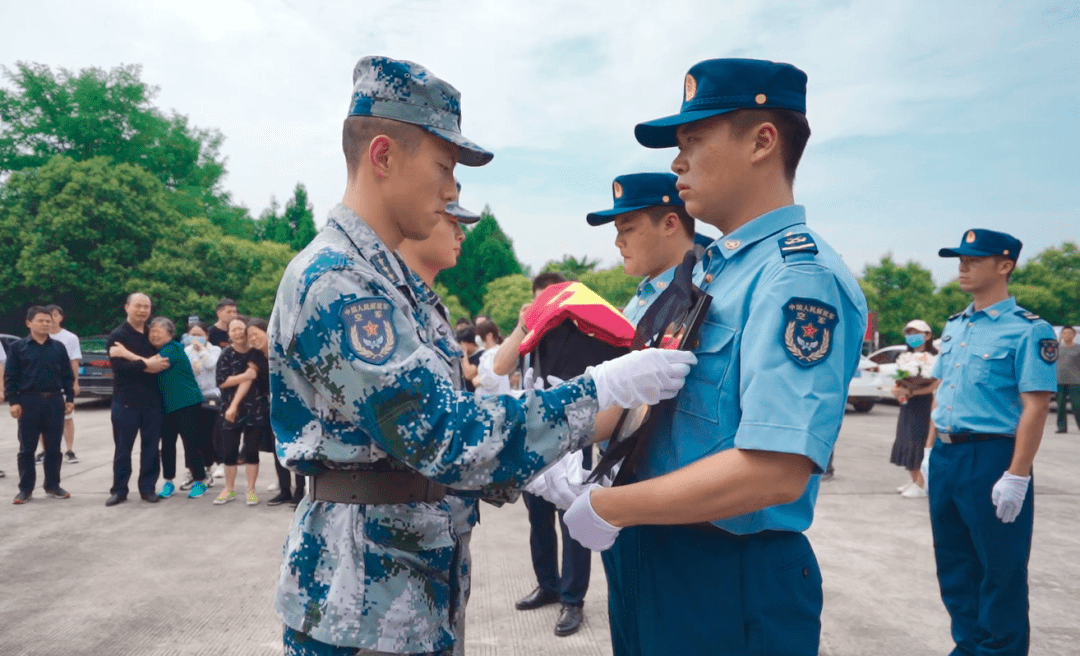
(865, 388)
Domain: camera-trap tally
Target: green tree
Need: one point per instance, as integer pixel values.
(613, 285)
(486, 255)
(1049, 284)
(948, 300)
(504, 299)
(453, 305)
(897, 294)
(294, 227)
(571, 267)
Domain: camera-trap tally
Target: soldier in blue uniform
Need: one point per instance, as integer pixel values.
(363, 397)
(997, 375)
(718, 563)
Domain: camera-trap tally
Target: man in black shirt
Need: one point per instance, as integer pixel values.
(40, 387)
(136, 403)
(218, 334)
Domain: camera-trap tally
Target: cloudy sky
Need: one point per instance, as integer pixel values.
(929, 117)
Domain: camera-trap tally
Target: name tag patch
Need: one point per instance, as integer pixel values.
(1048, 350)
(809, 330)
(369, 329)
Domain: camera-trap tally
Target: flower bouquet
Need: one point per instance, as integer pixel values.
(913, 370)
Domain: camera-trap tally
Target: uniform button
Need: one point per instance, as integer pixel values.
(986, 356)
(963, 343)
(641, 302)
(971, 323)
(951, 386)
(708, 277)
(957, 366)
(948, 407)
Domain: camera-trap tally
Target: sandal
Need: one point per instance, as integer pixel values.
(251, 498)
(225, 497)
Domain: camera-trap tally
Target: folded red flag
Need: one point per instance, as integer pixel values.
(591, 314)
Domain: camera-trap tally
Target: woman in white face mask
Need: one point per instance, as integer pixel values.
(914, 389)
(204, 356)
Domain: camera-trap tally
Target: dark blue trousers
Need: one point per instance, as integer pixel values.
(689, 590)
(127, 422)
(573, 582)
(981, 562)
(41, 416)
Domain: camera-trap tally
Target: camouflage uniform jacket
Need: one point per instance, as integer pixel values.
(359, 375)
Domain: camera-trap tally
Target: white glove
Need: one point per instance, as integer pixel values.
(585, 526)
(924, 468)
(561, 483)
(529, 381)
(1008, 496)
(647, 376)
(554, 381)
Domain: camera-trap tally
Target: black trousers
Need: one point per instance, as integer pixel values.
(208, 427)
(127, 422)
(573, 582)
(185, 423)
(283, 479)
(41, 416)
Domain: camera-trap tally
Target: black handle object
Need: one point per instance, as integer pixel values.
(683, 306)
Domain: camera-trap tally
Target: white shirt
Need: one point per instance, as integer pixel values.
(203, 365)
(71, 342)
(490, 383)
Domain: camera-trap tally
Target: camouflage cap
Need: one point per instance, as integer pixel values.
(408, 92)
(463, 215)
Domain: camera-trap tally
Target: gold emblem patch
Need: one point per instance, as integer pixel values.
(616, 189)
(760, 99)
(970, 237)
(691, 88)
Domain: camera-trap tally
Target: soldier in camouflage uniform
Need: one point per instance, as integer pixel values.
(363, 395)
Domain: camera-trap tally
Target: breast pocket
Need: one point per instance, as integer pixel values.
(993, 366)
(701, 395)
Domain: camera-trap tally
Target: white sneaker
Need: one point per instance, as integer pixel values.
(273, 487)
(189, 480)
(904, 488)
(914, 492)
(219, 471)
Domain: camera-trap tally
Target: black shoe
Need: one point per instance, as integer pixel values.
(58, 493)
(279, 499)
(40, 458)
(536, 599)
(22, 497)
(297, 497)
(827, 476)
(1062, 430)
(70, 458)
(115, 499)
(150, 498)
(569, 620)
(2, 474)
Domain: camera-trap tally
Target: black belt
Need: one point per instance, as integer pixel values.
(375, 487)
(43, 395)
(964, 438)
(713, 529)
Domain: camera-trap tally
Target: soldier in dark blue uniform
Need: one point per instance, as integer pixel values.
(997, 374)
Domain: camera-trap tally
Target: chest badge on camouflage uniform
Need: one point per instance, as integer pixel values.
(369, 329)
(809, 328)
(1048, 350)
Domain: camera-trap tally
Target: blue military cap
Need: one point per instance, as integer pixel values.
(463, 215)
(980, 243)
(636, 191)
(719, 86)
(408, 92)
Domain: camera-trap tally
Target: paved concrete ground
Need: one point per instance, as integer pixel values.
(186, 577)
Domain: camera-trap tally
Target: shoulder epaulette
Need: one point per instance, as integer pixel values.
(955, 316)
(1030, 316)
(797, 243)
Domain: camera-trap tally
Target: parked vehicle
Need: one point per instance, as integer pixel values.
(864, 389)
(95, 370)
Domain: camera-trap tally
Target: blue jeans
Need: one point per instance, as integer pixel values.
(129, 421)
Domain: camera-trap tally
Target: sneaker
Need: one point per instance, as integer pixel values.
(252, 500)
(904, 488)
(167, 490)
(40, 458)
(23, 497)
(297, 497)
(58, 493)
(198, 488)
(189, 480)
(914, 492)
(219, 471)
(2, 474)
(209, 480)
(70, 458)
(225, 497)
(273, 487)
(279, 499)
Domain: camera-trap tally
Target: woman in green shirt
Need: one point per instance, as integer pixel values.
(182, 400)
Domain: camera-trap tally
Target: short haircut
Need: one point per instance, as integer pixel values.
(485, 328)
(134, 294)
(1068, 328)
(656, 214)
(36, 310)
(165, 323)
(225, 302)
(53, 307)
(256, 322)
(792, 126)
(466, 334)
(545, 280)
(358, 131)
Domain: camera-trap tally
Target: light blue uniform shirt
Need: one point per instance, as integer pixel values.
(647, 293)
(776, 352)
(988, 358)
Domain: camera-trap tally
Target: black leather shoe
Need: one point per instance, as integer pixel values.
(279, 498)
(536, 599)
(115, 499)
(1061, 430)
(150, 498)
(569, 620)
